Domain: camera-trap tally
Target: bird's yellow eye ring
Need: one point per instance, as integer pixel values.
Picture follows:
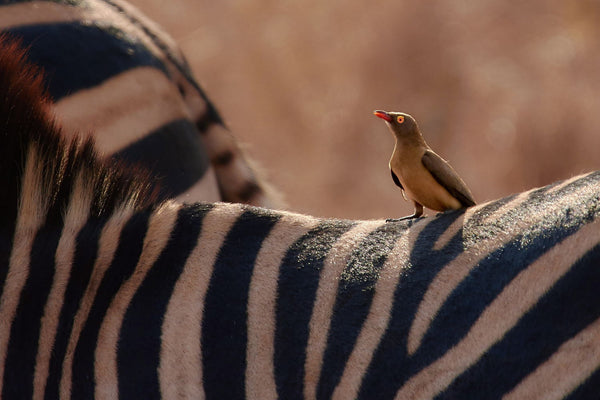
(400, 119)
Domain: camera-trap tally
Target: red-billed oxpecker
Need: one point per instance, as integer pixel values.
(424, 177)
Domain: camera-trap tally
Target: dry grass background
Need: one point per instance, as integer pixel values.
(508, 92)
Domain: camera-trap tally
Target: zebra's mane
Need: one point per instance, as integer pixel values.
(28, 129)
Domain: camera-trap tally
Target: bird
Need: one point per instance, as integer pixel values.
(425, 177)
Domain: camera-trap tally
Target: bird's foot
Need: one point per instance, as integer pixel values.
(413, 216)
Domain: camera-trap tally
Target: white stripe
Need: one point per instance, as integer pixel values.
(334, 265)
(77, 216)
(157, 237)
(123, 108)
(566, 183)
(31, 217)
(260, 377)
(377, 321)
(109, 240)
(455, 227)
(180, 370)
(37, 12)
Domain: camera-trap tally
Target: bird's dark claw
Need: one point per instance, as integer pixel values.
(413, 216)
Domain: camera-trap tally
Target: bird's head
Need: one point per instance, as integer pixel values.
(402, 125)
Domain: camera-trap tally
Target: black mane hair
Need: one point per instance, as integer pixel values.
(26, 123)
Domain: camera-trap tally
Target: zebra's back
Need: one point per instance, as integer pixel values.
(232, 302)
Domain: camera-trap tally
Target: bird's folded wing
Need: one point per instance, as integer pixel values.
(445, 175)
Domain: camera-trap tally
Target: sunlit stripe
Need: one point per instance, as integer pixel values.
(505, 209)
(31, 217)
(320, 321)
(76, 217)
(454, 228)
(180, 369)
(453, 274)
(379, 315)
(502, 314)
(106, 370)
(108, 243)
(566, 183)
(260, 378)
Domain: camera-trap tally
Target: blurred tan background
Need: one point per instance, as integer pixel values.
(508, 92)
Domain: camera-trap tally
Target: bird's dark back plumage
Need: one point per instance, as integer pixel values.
(444, 173)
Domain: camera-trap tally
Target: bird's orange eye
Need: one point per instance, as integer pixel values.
(400, 119)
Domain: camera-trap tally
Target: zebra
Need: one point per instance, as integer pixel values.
(114, 72)
(107, 291)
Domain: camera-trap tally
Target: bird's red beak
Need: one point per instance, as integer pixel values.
(383, 115)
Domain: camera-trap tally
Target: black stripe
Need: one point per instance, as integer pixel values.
(25, 330)
(224, 327)
(391, 365)
(83, 261)
(353, 302)
(123, 265)
(140, 339)
(566, 309)
(297, 286)
(77, 56)
(174, 153)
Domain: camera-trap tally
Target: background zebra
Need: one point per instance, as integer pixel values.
(106, 292)
(113, 72)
